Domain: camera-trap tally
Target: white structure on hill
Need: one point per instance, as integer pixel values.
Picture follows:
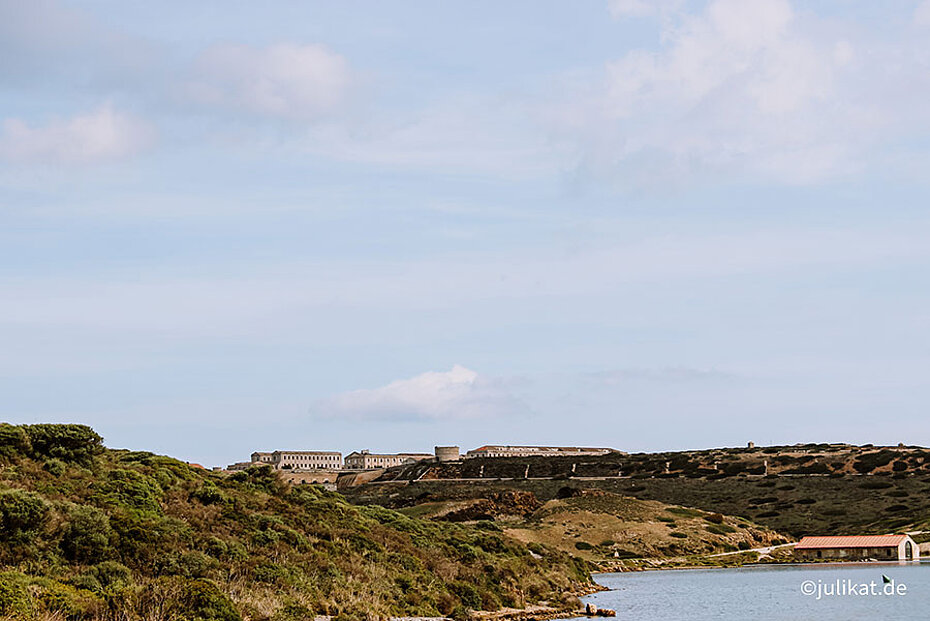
(536, 451)
(366, 460)
(293, 460)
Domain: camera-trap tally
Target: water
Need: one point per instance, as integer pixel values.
(766, 593)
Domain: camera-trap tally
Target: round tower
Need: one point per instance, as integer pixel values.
(447, 453)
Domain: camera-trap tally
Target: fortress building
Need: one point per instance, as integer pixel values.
(536, 451)
(293, 460)
(307, 460)
(366, 460)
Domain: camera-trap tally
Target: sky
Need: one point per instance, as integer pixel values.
(646, 224)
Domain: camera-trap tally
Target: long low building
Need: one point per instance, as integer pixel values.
(859, 547)
(293, 460)
(497, 450)
(366, 460)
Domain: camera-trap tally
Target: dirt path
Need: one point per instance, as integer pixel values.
(765, 550)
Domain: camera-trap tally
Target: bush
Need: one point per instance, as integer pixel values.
(208, 493)
(22, 515)
(14, 595)
(678, 535)
(132, 489)
(88, 534)
(14, 442)
(468, 595)
(72, 443)
(870, 461)
(583, 545)
(192, 600)
(55, 467)
(111, 574)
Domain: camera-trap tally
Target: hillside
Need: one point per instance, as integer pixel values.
(94, 533)
(796, 490)
(600, 526)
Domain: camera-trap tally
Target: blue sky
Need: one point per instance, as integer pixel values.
(648, 225)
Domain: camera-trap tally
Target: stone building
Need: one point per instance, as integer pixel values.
(858, 548)
(307, 460)
(536, 451)
(293, 460)
(366, 460)
(240, 465)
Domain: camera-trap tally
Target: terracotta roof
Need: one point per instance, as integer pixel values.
(855, 541)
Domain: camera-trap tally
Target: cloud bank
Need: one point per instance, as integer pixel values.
(435, 395)
(104, 134)
(748, 89)
(284, 80)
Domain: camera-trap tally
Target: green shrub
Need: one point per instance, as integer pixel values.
(22, 515)
(132, 489)
(105, 577)
(678, 535)
(188, 564)
(468, 595)
(65, 600)
(55, 467)
(14, 442)
(14, 595)
(583, 545)
(112, 574)
(208, 493)
(73, 443)
(87, 538)
(187, 599)
(205, 602)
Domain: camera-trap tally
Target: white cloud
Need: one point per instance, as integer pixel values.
(284, 80)
(743, 89)
(640, 8)
(922, 14)
(102, 135)
(436, 395)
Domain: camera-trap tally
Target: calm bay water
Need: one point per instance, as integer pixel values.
(769, 593)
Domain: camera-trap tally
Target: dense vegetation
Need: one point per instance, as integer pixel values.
(92, 533)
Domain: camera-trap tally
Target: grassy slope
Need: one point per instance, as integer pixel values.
(105, 534)
(602, 526)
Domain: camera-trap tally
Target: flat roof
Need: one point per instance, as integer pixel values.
(853, 541)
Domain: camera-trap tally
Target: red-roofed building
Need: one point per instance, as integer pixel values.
(858, 548)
